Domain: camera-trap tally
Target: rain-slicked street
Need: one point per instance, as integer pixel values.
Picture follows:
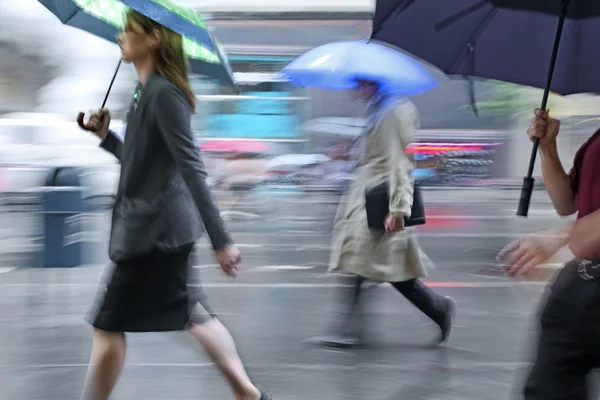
(282, 298)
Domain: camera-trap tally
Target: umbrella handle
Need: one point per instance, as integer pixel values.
(81, 115)
(529, 181)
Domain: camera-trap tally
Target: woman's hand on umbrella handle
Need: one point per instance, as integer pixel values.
(544, 128)
(97, 124)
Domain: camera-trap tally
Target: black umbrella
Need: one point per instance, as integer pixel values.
(508, 40)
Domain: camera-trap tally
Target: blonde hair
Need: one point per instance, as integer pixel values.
(170, 59)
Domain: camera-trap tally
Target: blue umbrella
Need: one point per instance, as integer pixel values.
(105, 18)
(339, 65)
(508, 40)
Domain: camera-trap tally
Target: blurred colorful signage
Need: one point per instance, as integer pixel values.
(262, 115)
(440, 148)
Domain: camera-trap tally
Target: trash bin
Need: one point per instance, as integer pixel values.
(63, 211)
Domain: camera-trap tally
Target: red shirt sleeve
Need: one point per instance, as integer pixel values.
(575, 172)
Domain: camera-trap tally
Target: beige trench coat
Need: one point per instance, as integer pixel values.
(389, 257)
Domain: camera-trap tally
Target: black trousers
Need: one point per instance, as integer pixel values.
(421, 296)
(569, 340)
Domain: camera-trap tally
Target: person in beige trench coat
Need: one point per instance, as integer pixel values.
(394, 255)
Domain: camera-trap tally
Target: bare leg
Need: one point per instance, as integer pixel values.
(220, 347)
(106, 363)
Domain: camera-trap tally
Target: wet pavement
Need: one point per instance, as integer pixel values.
(284, 297)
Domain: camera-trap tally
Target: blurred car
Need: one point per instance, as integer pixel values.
(289, 163)
(326, 176)
(331, 176)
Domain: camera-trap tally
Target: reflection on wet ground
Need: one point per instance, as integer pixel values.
(284, 297)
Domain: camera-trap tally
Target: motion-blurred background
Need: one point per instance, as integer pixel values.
(47, 76)
(278, 160)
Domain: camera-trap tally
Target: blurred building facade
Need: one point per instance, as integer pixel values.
(47, 67)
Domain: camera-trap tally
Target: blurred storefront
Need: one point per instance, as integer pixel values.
(64, 70)
(258, 48)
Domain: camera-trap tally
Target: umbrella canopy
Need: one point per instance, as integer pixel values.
(105, 18)
(508, 40)
(579, 9)
(339, 65)
(549, 44)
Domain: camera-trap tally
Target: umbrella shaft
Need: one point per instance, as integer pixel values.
(112, 81)
(559, 29)
(528, 181)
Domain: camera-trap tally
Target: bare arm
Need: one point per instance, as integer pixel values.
(560, 236)
(557, 181)
(524, 255)
(585, 239)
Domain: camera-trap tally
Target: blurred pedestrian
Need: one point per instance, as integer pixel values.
(392, 255)
(568, 346)
(162, 201)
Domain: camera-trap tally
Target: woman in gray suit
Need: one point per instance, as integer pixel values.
(162, 203)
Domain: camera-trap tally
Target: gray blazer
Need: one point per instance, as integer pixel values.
(162, 199)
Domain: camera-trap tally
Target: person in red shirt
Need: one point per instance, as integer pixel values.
(569, 340)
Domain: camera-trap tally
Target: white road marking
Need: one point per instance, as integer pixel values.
(453, 325)
(249, 246)
(312, 247)
(295, 232)
(304, 233)
(283, 267)
(18, 243)
(239, 245)
(229, 215)
(310, 366)
(316, 246)
(206, 266)
(5, 270)
(263, 267)
(508, 216)
(468, 285)
(293, 218)
(490, 277)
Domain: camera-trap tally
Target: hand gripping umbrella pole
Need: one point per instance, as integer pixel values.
(529, 181)
(81, 115)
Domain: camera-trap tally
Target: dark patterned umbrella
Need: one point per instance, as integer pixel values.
(105, 18)
(508, 40)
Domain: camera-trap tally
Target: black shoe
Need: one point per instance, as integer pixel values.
(446, 324)
(264, 393)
